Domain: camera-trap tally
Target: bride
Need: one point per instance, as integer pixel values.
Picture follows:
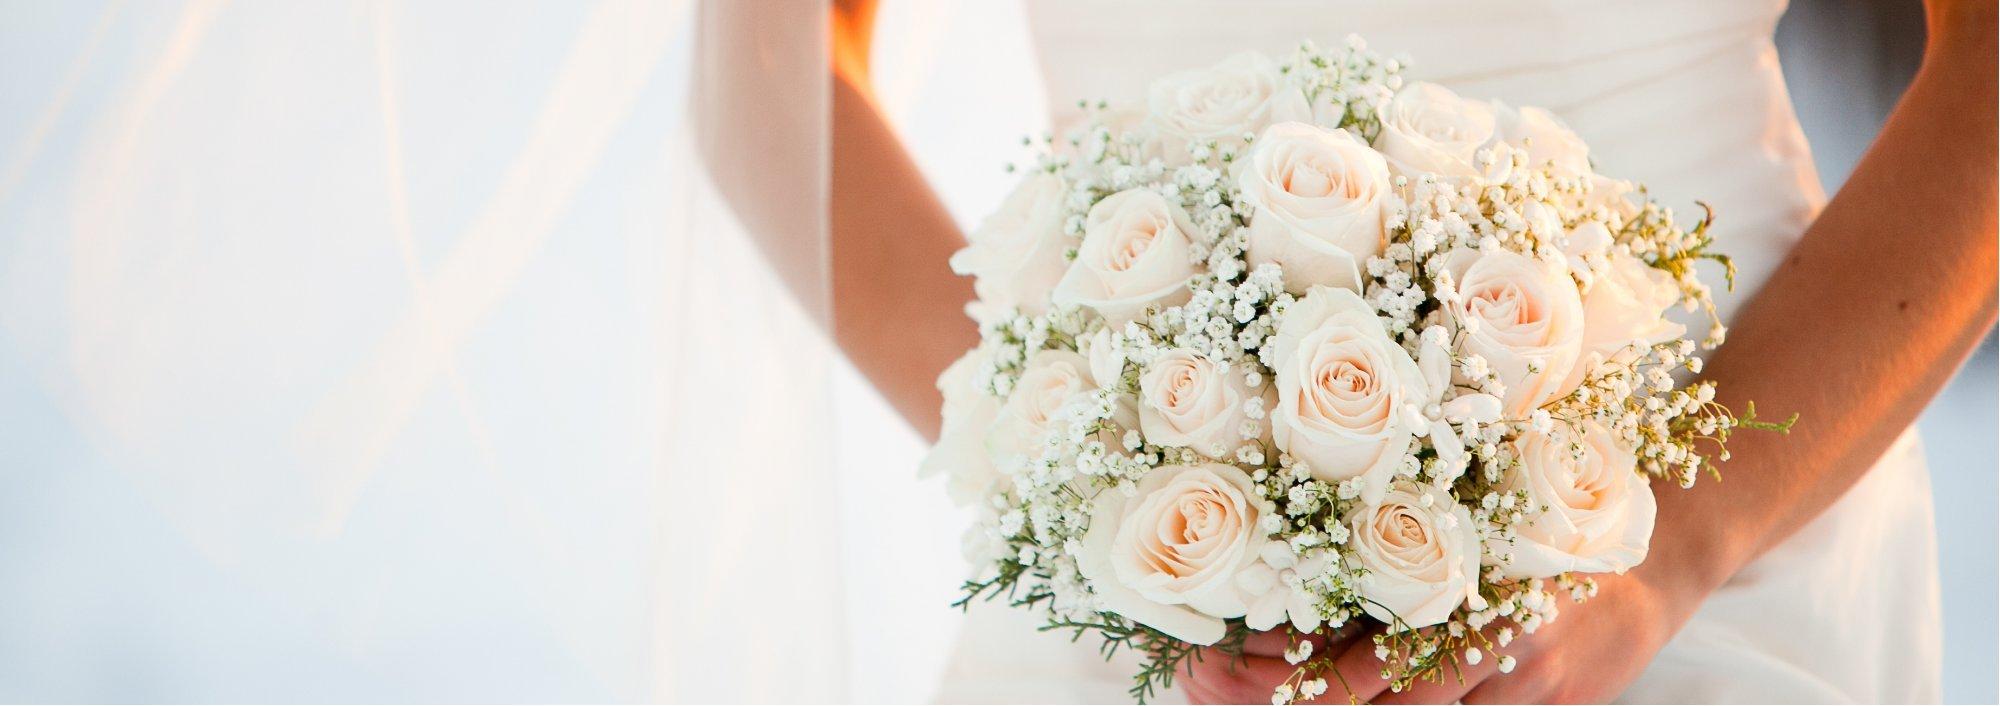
(1852, 312)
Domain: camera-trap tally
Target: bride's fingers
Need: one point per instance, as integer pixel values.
(1452, 688)
(1220, 678)
(1358, 669)
(1524, 685)
(1275, 643)
(1196, 691)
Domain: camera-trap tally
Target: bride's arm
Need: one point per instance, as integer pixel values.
(1889, 291)
(898, 309)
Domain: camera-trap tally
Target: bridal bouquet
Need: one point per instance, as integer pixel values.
(1306, 343)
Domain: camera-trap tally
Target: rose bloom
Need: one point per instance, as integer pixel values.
(1545, 138)
(1343, 388)
(1016, 254)
(1525, 318)
(1588, 241)
(1319, 196)
(1615, 196)
(1427, 128)
(1590, 510)
(1184, 400)
(1135, 254)
(1107, 362)
(1238, 97)
(1422, 563)
(960, 453)
(1276, 592)
(1168, 557)
(1625, 313)
(1022, 423)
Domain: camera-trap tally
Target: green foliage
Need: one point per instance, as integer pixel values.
(1164, 656)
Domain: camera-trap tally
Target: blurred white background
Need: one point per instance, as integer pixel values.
(371, 351)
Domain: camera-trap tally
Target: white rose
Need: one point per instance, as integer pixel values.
(1185, 401)
(1589, 240)
(1022, 423)
(1590, 510)
(1135, 254)
(1016, 254)
(1319, 196)
(1427, 128)
(1613, 195)
(1345, 390)
(1421, 561)
(1222, 104)
(1545, 138)
(1107, 360)
(1624, 313)
(1525, 318)
(960, 453)
(1168, 557)
(1278, 591)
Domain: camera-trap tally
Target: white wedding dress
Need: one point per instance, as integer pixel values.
(1683, 95)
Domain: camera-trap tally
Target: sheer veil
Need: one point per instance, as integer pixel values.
(359, 351)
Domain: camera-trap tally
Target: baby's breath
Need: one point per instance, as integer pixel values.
(1033, 527)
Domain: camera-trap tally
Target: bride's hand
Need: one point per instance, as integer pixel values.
(1590, 653)
(1250, 679)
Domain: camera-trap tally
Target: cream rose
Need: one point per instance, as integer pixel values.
(1545, 138)
(1021, 424)
(1016, 254)
(1169, 555)
(1319, 196)
(1185, 400)
(1524, 316)
(960, 453)
(1624, 313)
(1276, 588)
(1587, 241)
(1223, 103)
(1590, 510)
(1615, 196)
(1428, 129)
(1107, 361)
(1346, 391)
(1421, 560)
(1135, 254)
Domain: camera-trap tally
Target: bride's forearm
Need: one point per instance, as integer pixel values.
(898, 309)
(1885, 296)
